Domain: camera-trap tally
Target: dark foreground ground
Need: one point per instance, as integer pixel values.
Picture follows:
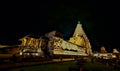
(67, 66)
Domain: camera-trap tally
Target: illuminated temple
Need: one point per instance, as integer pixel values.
(78, 44)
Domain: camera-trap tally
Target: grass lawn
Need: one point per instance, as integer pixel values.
(65, 66)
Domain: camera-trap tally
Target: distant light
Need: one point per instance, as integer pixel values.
(21, 53)
(28, 53)
(114, 56)
(37, 54)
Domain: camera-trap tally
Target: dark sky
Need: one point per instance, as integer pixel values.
(20, 19)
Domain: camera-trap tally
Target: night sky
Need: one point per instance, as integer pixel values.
(99, 21)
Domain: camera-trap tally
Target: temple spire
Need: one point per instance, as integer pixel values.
(78, 22)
